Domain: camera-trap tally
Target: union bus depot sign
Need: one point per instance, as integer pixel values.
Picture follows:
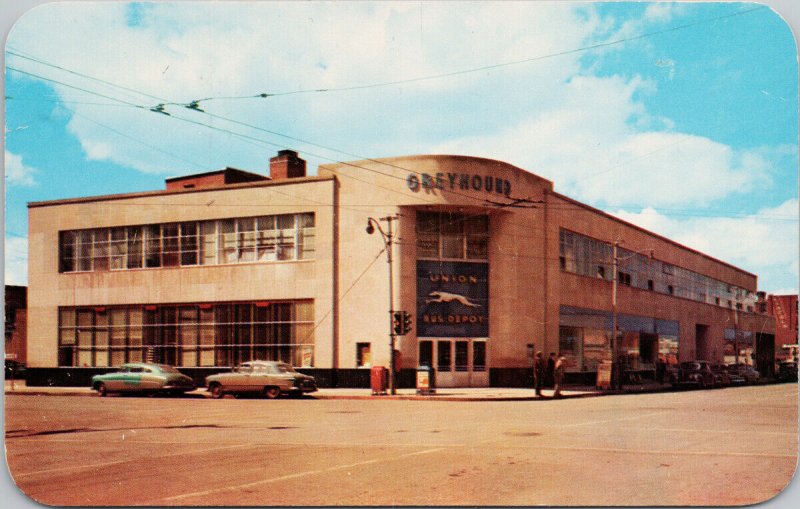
(452, 299)
(458, 181)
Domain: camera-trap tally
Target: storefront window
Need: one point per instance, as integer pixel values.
(196, 335)
(585, 339)
(570, 341)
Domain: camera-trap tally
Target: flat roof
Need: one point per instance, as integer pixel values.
(163, 192)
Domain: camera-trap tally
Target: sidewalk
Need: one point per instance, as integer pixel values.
(442, 394)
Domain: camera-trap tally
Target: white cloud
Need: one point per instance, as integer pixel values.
(17, 173)
(598, 145)
(219, 49)
(766, 243)
(16, 261)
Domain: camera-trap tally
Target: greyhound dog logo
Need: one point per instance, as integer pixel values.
(450, 297)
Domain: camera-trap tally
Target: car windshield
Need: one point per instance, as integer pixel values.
(284, 368)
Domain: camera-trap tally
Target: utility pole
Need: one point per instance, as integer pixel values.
(616, 367)
(372, 224)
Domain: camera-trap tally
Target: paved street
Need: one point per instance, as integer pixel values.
(717, 447)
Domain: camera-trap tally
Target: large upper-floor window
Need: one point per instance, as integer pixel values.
(586, 256)
(216, 242)
(444, 235)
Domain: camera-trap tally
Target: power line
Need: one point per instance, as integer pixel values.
(160, 108)
(169, 154)
(486, 67)
(247, 138)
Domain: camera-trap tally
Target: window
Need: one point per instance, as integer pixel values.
(170, 245)
(443, 355)
(187, 335)
(189, 249)
(242, 240)
(135, 236)
(585, 256)
(153, 246)
(479, 356)
(363, 355)
(119, 249)
(426, 353)
(462, 357)
(452, 236)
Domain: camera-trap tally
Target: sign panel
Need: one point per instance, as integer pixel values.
(452, 299)
(604, 375)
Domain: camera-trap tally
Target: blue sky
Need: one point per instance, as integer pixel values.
(681, 118)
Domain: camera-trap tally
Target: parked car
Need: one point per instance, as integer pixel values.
(745, 371)
(267, 378)
(15, 369)
(787, 371)
(143, 377)
(721, 375)
(696, 374)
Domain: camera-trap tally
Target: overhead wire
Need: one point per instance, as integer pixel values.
(385, 163)
(491, 66)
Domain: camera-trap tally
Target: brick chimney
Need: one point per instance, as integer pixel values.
(286, 165)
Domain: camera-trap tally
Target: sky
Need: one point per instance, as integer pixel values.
(681, 118)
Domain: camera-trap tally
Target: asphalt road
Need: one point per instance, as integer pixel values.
(721, 447)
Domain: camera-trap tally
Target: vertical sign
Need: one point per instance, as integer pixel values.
(452, 299)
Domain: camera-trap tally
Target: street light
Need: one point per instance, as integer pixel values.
(372, 225)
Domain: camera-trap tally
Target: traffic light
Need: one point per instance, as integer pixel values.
(397, 322)
(406, 322)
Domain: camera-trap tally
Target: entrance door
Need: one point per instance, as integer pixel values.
(458, 362)
(701, 342)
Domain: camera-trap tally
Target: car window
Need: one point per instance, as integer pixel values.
(285, 368)
(244, 368)
(135, 370)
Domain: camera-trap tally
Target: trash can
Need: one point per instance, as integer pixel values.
(426, 380)
(377, 379)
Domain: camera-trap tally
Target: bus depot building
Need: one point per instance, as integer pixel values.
(489, 260)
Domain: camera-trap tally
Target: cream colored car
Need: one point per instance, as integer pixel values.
(268, 378)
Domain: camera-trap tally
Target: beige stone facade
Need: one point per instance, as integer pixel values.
(532, 282)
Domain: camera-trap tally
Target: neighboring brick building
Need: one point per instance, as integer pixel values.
(490, 261)
(784, 309)
(16, 323)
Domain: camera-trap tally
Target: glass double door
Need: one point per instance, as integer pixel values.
(460, 362)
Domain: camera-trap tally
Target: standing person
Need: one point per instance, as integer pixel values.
(538, 373)
(559, 375)
(551, 368)
(661, 369)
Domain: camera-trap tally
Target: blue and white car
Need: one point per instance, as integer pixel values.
(143, 377)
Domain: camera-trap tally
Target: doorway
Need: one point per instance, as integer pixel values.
(461, 362)
(701, 342)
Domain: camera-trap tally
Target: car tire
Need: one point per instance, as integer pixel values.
(216, 391)
(101, 390)
(272, 392)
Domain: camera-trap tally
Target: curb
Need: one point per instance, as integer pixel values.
(402, 397)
